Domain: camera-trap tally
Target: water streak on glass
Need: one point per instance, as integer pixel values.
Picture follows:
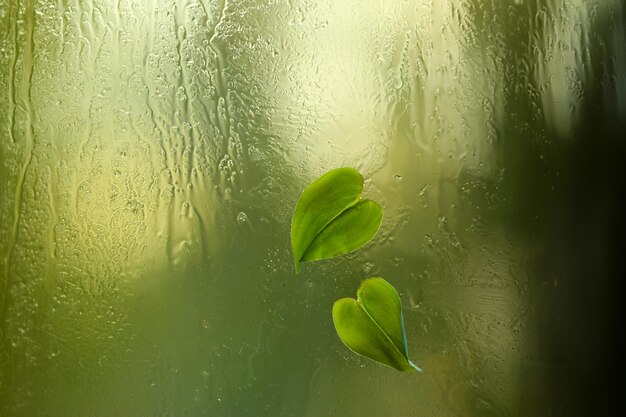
(152, 151)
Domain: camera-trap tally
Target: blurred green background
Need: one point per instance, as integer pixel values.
(152, 151)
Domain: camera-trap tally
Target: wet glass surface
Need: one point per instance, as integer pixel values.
(151, 154)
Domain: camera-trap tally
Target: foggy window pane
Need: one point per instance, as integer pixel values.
(152, 152)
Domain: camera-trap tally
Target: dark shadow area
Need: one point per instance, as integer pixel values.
(567, 195)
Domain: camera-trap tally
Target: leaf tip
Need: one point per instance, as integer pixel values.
(415, 367)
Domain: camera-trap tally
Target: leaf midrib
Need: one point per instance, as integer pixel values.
(360, 304)
(308, 246)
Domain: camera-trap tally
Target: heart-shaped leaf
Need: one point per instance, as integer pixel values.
(331, 219)
(372, 325)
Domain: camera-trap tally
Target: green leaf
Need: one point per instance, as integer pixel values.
(372, 325)
(331, 219)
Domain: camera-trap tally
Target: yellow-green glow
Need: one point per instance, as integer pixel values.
(152, 152)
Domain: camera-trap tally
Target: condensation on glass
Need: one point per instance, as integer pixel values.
(151, 153)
